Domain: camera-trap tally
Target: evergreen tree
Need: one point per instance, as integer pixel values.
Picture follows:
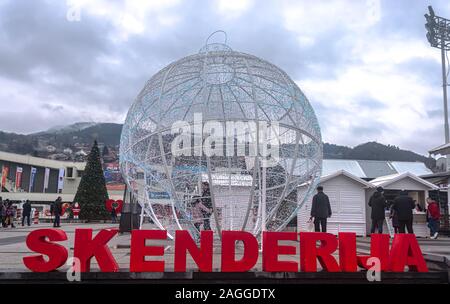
(105, 151)
(92, 193)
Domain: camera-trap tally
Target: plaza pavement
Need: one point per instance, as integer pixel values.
(13, 247)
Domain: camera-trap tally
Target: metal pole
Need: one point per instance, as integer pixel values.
(444, 88)
(263, 204)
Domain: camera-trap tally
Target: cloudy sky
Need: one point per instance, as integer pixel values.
(365, 65)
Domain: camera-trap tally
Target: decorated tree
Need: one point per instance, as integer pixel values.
(92, 193)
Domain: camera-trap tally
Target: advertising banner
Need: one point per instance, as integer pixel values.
(46, 178)
(19, 171)
(5, 171)
(61, 180)
(32, 176)
(112, 173)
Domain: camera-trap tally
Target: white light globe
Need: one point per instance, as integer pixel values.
(227, 120)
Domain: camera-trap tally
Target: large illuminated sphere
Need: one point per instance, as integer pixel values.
(248, 191)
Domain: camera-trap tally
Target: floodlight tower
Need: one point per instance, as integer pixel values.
(438, 36)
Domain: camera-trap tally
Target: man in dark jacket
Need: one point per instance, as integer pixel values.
(57, 212)
(403, 206)
(26, 213)
(320, 210)
(378, 203)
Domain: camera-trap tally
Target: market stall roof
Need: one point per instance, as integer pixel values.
(442, 150)
(325, 178)
(347, 174)
(376, 168)
(385, 181)
(416, 168)
(367, 169)
(331, 166)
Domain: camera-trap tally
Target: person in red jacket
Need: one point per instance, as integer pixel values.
(433, 216)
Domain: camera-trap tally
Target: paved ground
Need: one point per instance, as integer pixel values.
(13, 247)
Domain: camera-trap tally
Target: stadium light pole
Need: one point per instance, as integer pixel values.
(438, 36)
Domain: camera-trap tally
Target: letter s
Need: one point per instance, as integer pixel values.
(37, 242)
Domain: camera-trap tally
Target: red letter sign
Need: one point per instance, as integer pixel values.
(202, 256)
(250, 257)
(379, 248)
(271, 250)
(309, 252)
(85, 248)
(405, 251)
(347, 251)
(139, 251)
(57, 254)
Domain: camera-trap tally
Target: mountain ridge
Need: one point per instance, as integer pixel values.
(81, 135)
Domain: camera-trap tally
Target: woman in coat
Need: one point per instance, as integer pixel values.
(394, 218)
(10, 214)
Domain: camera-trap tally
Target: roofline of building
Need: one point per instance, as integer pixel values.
(437, 174)
(347, 174)
(402, 176)
(442, 149)
(376, 160)
(39, 161)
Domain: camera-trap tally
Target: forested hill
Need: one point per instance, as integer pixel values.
(109, 134)
(375, 151)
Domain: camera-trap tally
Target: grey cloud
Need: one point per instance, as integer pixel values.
(61, 60)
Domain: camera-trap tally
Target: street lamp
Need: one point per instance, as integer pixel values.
(438, 35)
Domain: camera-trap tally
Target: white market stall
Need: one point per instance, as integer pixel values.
(232, 194)
(417, 189)
(347, 194)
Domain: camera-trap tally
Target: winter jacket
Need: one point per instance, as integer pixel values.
(11, 211)
(403, 206)
(321, 207)
(206, 201)
(433, 211)
(394, 217)
(378, 204)
(27, 209)
(197, 212)
(57, 207)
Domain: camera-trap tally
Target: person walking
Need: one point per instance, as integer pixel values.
(206, 201)
(403, 206)
(320, 210)
(26, 213)
(433, 217)
(113, 215)
(57, 212)
(198, 209)
(10, 214)
(378, 204)
(2, 213)
(394, 218)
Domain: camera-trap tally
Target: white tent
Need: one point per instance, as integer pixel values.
(347, 194)
(417, 188)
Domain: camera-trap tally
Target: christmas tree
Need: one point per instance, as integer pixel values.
(92, 193)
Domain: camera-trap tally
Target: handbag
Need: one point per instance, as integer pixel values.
(310, 226)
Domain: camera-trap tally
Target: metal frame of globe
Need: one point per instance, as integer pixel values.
(222, 85)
